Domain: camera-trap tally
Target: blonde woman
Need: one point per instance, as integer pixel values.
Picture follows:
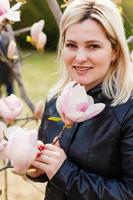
(94, 159)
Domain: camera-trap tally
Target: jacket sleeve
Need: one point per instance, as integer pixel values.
(80, 184)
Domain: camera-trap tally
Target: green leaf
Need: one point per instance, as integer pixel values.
(55, 119)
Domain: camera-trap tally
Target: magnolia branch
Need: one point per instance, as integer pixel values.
(15, 67)
(55, 9)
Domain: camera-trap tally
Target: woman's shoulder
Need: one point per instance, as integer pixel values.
(124, 110)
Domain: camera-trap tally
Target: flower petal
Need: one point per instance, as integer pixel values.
(13, 16)
(36, 29)
(5, 4)
(3, 129)
(22, 149)
(16, 6)
(41, 41)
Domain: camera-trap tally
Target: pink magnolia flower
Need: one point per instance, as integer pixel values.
(3, 129)
(36, 28)
(10, 107)
(3, 143)
(38, 38)
(3, 149)
(22, 148)
(12, 50)
(38, 111)
(74, 105)
(12, 14)
(41, 41)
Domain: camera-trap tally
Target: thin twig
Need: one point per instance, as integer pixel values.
(23, 30)
(24, 118)
(6, 167)
(6, 180)
(58, 137)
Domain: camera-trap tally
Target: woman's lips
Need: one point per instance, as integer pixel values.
(82, 69)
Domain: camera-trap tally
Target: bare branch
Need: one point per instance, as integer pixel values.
(23, 30)
(55, 9)
(17, 75)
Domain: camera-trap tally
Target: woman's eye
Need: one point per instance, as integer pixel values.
(93, 46)
(71, 46)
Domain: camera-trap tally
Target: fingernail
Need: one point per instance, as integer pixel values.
(41, 147)
(38, 154)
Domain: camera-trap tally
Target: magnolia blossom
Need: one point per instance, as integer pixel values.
(12, 50)
(22, 148)
(36, 28)
(3, 142)
(38, 38)
(6, 12)
(38, 111)
(40, 43)
(10, 107)
(74, 105)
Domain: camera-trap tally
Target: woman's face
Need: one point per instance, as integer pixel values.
(87, 53)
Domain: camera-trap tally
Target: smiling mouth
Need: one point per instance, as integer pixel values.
(82, 69)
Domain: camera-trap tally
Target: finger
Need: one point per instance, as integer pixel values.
(39, 142)
(41, 166)
(40, 145)
(34, 172)
(44, 159)
(51, 147)
(51, 154)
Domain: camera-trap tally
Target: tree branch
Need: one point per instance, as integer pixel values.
(16, 72)
(55, 9)
(22, 30)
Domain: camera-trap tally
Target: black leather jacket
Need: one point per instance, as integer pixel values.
(99, 164)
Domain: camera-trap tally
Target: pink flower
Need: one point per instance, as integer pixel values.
(74, 105)
(9, 13)
(41, 41)
(38, 111)
(12, 50)
(36, 28)
(3, 149)
(38, 38)
(3, 143)
(22, 148)
(10, 107)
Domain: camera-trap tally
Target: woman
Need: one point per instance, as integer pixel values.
(94, 158)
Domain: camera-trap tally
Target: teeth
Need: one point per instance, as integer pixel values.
(82, 68)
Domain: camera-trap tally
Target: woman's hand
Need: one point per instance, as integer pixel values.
(34, 172)
(50, 160)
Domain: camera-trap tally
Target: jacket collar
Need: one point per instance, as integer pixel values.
(98, 95)
(96, 90)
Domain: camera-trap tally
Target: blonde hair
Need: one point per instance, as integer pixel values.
(118, 83)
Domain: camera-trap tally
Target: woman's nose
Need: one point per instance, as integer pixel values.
(81, 56)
